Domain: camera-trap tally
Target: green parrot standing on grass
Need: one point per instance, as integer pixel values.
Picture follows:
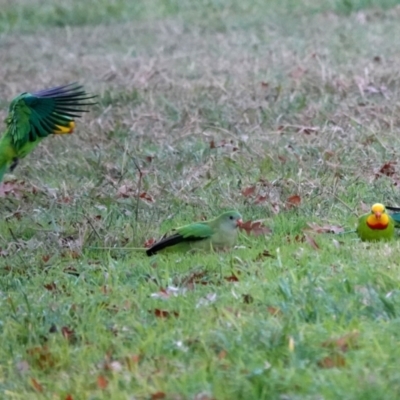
(217, 233)
(34, 116)
(376, 225)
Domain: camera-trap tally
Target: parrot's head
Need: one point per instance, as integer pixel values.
(378, 210)
(231, 220)
(378, 218)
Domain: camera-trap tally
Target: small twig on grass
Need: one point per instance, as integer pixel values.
(93, 228)
(115, 248)
(14, 237)
(346, 205)
(18, 246)
(138, 194)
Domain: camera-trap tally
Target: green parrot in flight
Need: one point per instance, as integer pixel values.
(218, 233)
(376, 225)
(34, 116)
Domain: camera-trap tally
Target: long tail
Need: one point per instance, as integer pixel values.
(395, 214)
(171, 241)
(390, 208)
(396, 219)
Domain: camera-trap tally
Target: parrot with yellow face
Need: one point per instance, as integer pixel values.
(376, 225)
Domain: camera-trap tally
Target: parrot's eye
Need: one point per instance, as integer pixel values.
(231, 217)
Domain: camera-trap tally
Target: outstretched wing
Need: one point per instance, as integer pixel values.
(37, 115)
(188, 233)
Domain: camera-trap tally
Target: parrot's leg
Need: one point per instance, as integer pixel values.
(14, 164)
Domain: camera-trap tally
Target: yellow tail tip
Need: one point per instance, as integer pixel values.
(65, 129)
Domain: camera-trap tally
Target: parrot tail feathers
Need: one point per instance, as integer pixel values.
(390, 208)
(170, 241)
(395, 214)
(396, 218)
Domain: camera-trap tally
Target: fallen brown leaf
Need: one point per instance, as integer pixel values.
(164, 314)
(16, 189)
(196, 278)
(293, 201)
(68, 333)
(46, 258)
(257, 228)
(248, 191)
(102, 382)
(387, 169)
(334, 361)
(344, 342)
(265, 253)
(274, 311)
(311, 241)
(147, 197)
(158, 396)
(36, 385)
(298, 238)
(41, 357)
(260, 199)
(50, 286)
(232, 278)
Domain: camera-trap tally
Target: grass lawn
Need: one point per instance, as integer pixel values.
(286, 110)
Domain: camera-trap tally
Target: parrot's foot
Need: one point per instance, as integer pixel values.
(13, 164)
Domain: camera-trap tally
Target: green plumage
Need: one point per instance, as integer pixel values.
(367, 234)
(395, 215)
(376, 230)
(32, 117)
(220, 232)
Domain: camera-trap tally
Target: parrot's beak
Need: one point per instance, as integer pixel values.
(378, 215)
(239, 222)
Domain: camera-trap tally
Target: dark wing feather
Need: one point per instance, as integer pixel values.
(39, 114)
(171, 241)
(390, 208)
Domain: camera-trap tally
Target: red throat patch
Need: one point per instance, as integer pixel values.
(378, 225)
